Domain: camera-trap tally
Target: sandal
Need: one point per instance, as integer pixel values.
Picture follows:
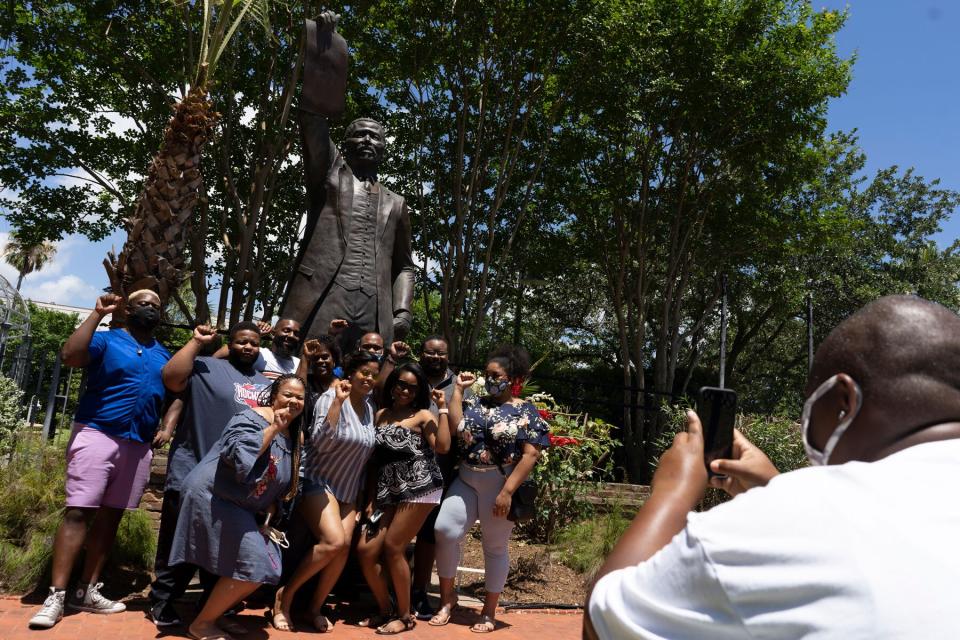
(485, 624)
(376, 621)
(408, 622)
(213, 636)
(443, 615)
(321, 623)
(280, 622)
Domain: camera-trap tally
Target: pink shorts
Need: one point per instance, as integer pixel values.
(104, 471)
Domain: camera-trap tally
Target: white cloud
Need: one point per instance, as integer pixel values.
(69, 290)
(48, 278)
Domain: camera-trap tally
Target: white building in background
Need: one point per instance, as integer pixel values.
(82, 312)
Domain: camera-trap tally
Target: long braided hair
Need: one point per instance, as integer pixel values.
(296, 426)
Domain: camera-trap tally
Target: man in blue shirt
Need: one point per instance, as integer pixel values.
(109, 454)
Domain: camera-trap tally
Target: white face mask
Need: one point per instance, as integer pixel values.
(818, 458)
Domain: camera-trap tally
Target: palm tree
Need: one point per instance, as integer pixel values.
(153, 257)
(27, 257)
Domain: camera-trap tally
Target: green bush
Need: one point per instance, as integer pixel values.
(11, 420)
(31, 508)
(581, 455)
(585, 544)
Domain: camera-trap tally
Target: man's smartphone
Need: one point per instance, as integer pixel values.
(374, 518)
(717, 409)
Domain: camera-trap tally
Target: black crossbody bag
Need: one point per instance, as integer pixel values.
(523, 503)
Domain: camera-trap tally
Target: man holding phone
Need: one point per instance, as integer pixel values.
(846, 548)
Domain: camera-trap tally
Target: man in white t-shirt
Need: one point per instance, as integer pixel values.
(860, 545)
(278, 359)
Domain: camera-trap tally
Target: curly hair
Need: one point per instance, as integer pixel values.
(513, 358)
(331, 344)
(296, 426)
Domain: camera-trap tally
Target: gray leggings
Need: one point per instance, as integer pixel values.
(472, 496)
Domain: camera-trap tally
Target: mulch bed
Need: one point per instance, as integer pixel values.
(536, 574)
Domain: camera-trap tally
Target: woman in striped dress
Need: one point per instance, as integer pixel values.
(335, 455)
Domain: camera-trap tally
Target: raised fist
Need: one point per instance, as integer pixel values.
(342, 390)
(327, 21)
(337, 325)
(265, 328)
(466, 380)
(399, 350)
(439, 398)
(204, 334)
(107, 304)
(311, 349)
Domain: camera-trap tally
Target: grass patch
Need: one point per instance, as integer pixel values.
(31, 508)
(585, 544)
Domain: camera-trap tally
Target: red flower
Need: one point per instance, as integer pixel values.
(546, 415)
(562, 441)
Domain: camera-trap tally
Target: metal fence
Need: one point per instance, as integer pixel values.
(50, 390)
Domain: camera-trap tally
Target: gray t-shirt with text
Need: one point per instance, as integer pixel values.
(216, 391)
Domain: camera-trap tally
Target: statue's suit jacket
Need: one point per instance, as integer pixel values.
(323, 248)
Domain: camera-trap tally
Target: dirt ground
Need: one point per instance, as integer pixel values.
(536, 574)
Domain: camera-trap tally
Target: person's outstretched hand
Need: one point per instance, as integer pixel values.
(750, 467)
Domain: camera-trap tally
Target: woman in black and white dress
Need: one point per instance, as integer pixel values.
(408, 485)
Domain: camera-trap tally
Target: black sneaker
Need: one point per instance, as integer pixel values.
(420, 604)
(164, 615)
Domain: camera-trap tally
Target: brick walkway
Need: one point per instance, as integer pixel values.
(133, 625)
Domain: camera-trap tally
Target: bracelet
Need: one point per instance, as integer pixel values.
(443, 411)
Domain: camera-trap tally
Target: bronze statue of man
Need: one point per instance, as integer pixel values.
(354, 261)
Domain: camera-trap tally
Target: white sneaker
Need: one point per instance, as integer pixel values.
(52, 610)
(89, 599)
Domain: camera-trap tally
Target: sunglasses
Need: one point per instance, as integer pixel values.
(406, 386)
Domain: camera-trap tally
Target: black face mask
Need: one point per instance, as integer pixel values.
(146, 318)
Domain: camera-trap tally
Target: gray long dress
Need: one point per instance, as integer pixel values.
(217, 528)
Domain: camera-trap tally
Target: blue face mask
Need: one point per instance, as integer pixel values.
(495, 387)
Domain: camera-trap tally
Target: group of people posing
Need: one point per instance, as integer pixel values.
(366, 451)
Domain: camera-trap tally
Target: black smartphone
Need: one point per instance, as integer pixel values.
(374, 518)
(717, 409)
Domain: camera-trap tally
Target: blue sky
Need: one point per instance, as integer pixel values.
(905, 89)
(903, 101)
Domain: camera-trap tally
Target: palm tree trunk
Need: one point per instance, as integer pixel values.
(20, 279)
(153, 256)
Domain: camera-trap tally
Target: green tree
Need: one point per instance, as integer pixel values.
(708, 114)
(27, 257)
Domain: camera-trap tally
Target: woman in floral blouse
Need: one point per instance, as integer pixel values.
(501, 437)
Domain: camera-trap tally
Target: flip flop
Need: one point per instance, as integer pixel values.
(280, 622)
(375, 621)
(408, 624)
(216, 636)
(485, 624)
(442, 616)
